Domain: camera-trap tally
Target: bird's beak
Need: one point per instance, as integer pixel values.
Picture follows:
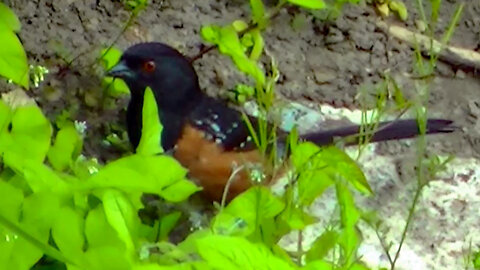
(121, 70)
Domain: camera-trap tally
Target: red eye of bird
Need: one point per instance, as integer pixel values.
(148, 66)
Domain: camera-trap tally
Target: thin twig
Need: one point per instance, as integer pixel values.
(236, 170)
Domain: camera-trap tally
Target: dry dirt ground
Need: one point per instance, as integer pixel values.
(320, 63)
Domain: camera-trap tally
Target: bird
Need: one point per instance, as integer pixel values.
(205, 135)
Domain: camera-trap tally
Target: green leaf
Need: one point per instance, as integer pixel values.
(258, 45)
(319, 265)
(179, 191)
(296, 218)
(349, 238)
(312, 4)
(114, 87)
(19, 249)
(239, 25)
(42, 178)
(179, 266)
(11, 199)
(39, 212)
(8, 19)
(5, 116)
(399, 8)
(13, 60)
(358, 266)
(29, 138)
(476, 260)
(107, 258)
(258, 12)
(223, 252)
(313, 176)
(98, 231)
(247, 212)
(67, 232)
(140, 173)
(150, 142)
(110, 57)
(167, 224)
(322, 245)
(228, 43)
(67, 147)
(121, 216)
(24, 243)
(319, 167)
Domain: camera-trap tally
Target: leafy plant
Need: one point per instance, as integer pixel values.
(13, 60)
(89, 211)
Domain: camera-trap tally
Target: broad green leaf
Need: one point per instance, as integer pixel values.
(179, 191)
(121, 216)
(150, 142)
(115, 87)
(358, 266)
(11, 199)
(66, 148)
(67, 232)
(149, 174)
(347, 169)
(313, 176)
(322, 245)
(247, 211)
(98, 231)
(23, 244)
(8, 19)
(319, 167)
(319, 265)
(199, 265)
(29, 138)
(167, 224)
(223, 252)
(42, 178)
(107, 258)
(16, 252)
(13, 60)
(39, 212)
(296, 218)
(313, 4)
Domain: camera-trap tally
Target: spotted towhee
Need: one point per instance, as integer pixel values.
(204, 134)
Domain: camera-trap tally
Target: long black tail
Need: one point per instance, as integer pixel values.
(390, 130)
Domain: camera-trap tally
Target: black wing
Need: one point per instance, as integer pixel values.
(223, 125)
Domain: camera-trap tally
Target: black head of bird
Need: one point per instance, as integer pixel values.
(167, 72)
